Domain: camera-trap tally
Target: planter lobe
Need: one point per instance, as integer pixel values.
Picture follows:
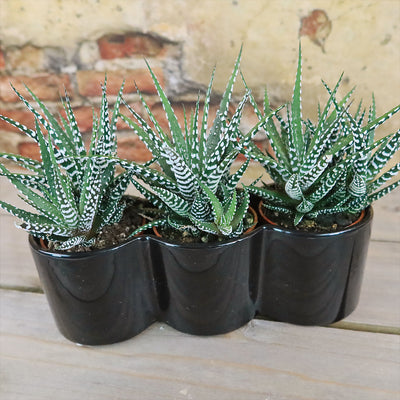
(206, 286)
(312, 278)
(99, 297)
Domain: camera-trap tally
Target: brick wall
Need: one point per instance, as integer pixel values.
(48, 71)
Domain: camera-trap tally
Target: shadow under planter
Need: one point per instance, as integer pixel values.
(99, 297)
(312, 278)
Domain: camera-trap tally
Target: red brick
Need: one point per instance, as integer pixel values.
(29, 149)
(133, 149)
(24, 117)
(120, 46)
(2, 60)
(89, 82)
(45, 86)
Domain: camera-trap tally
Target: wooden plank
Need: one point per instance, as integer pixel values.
(16, 263)
(386, 223)
(263, 360)
(380, 294)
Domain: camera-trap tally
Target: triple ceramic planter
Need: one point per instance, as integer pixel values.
(106, 296)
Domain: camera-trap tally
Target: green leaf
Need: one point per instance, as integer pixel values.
(150, 225)
(230, 212)
(64, 143)
(296, 122)
(209, 227)
(216, 205)
(374, 185)
(380, 120)
(241, 210)
(173, 201)
(175, 128)
(29, 132)
(194, 142)
(185, 178)
(26, 216)
(383, 154)
(76, 135)
(25, 162)
(203, 130)
(226, 98)
(383, 192)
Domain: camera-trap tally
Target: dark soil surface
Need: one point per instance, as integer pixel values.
(203, 237)
(323, 223)
(115, 234)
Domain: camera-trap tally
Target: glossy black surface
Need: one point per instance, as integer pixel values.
(311, 278)
(110, 295)
(205, 288)
(99, 297)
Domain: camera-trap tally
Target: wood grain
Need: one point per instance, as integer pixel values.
(263, 360)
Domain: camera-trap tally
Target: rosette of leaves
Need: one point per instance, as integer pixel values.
(333, 166)
(194, 190)
(75, 192)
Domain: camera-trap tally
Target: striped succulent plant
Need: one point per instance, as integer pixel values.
(73, 190)
(330, 167)
(195, 189)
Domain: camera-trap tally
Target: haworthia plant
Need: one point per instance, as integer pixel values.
(75, 192)
(332, 166)
(195, 188)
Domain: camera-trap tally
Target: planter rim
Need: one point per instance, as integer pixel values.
(369, 212)
(33, 242)
(144, 237)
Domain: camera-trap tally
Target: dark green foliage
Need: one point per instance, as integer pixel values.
(73, 190)
(195, 189)
(331, 167)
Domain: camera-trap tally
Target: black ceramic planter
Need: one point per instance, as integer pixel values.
(110, 295)
(204, 289)
(312, 278)
(102, 296)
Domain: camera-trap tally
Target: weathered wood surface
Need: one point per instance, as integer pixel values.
(262, 360)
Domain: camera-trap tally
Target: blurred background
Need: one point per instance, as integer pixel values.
(52, 44)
